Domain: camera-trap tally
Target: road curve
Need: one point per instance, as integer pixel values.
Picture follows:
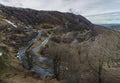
(22, 57)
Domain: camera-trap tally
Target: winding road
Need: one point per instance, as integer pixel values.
(22, 56)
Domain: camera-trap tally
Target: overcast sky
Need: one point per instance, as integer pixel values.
(84, 7)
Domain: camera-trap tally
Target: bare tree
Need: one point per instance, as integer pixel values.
(57, 63)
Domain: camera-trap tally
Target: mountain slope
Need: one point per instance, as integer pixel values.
(84, 52)
(21, 21)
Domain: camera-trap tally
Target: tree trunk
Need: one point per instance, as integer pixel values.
(56, 63)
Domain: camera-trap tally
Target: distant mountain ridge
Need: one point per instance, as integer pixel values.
(112, 26)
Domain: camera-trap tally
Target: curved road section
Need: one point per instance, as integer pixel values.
(22, 57)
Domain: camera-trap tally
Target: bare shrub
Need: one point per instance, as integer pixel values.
(67, 58)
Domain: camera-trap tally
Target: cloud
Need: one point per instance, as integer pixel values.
(84, 7)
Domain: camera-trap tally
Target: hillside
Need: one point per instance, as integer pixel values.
(112, 26)
(69, 46)
(27, 20)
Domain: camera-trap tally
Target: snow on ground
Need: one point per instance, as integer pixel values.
(1, 54)
(11, 23)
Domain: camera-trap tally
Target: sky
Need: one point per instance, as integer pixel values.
(107, 18)
(83, 7)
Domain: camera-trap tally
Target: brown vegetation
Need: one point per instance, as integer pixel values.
(82, 61)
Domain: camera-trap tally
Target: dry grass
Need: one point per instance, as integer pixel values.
(106, 47)
(74, 62)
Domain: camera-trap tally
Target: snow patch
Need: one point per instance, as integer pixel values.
(1, 53)
(11, 23)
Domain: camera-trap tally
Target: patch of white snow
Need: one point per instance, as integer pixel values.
(1, 53)
(11, 23)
